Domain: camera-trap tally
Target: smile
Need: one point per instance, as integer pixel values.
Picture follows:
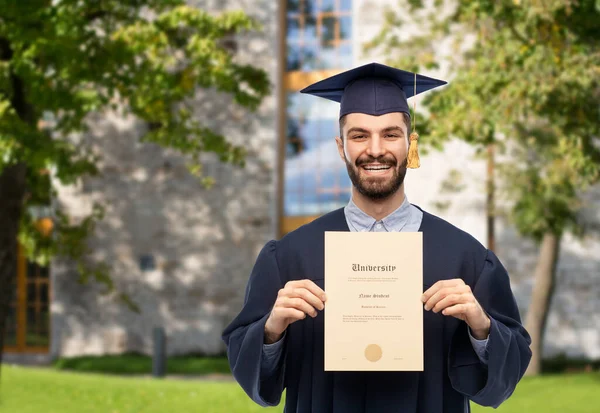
(376, 167)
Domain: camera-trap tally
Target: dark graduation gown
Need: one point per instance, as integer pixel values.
(453, 374)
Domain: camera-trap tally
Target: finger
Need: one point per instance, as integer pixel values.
(293, 291)
(308, 296)
(310, 286)
(288, 313)
(315, 289)
(452, 299)
(457, 310)
(299, 304)
(431, 291)
(443, 293)
(440, 285)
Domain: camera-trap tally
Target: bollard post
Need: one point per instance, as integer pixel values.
(159, 353)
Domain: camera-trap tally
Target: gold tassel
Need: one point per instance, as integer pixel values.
(413, 149)
(413, 152)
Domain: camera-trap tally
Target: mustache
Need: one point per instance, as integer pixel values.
(380, 159)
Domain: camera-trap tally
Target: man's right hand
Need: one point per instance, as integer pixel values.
(294, 302)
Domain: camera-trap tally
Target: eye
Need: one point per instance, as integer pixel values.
(358, 137)
(391, 136)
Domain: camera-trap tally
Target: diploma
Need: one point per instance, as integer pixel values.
(373, 313)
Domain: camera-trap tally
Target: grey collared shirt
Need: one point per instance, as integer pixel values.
(406, 218)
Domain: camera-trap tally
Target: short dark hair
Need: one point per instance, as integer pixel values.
(404, 115)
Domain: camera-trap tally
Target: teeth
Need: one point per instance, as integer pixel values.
(377, 168)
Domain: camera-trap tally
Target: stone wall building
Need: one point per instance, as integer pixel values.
(184, 252)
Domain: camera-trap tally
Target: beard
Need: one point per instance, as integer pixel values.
(375, 187)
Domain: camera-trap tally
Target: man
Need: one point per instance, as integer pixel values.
(475, 347)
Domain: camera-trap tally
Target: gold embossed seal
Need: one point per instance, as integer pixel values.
(373, 352)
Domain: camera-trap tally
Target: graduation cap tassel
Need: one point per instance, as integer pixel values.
(413, 151)
(413, 148)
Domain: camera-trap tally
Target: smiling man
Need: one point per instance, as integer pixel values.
(475, 347)
(375, 150)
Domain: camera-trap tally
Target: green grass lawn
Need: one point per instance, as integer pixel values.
(28, 390)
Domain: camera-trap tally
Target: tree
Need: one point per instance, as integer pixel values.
(525, 78)
(62, 60)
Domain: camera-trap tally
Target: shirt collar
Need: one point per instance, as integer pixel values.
(362, 222)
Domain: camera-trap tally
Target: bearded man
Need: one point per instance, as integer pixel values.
(475, 346)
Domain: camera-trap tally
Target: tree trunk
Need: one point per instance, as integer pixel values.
(12, 191)
(543, 288)
(490, 205)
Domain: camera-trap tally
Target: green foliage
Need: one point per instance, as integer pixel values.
(450, 187)
(141, 364)
(525, 75)
(62, 60)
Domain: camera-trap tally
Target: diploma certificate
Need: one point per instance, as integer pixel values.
(373, 313)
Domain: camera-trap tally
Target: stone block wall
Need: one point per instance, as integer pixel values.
(181, 251)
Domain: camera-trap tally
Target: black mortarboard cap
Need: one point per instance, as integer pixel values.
(374, 89)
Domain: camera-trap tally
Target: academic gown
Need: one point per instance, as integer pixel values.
(453, 374)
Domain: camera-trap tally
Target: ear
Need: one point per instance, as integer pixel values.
(340, 146)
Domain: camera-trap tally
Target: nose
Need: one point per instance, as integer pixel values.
(375, 148)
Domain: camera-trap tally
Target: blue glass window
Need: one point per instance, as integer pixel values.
(318, 37)
(315, 177)
(316, 31)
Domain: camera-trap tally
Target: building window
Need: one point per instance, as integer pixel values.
(318, 45)
(28, 323)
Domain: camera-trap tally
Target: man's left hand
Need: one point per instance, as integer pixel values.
(455, 298)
